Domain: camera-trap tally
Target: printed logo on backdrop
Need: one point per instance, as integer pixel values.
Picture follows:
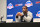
(38, 14)
(10, 6)
(9, 15)
(36, 19)
(18, 4)
(38, 2)
(29, 3)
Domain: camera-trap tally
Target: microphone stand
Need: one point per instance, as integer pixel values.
(1, 18)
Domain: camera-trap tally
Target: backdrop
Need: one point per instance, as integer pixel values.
(14, 6)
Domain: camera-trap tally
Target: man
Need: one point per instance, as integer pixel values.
(25, 16)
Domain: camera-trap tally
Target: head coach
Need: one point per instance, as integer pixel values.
(25, 16)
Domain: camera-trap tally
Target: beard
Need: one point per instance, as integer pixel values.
(25, 12)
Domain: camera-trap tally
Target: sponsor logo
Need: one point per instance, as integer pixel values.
(37, 2)
(9, 20)
(28, 4)
(36, 19)
(18, 4)
(10, 6)
(38, 14)
(9, 15)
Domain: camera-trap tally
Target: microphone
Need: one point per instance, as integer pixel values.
(22, 18)
(1, 17)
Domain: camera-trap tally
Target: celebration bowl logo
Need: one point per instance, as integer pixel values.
(10, 6)
(38, 14)
(28, 4)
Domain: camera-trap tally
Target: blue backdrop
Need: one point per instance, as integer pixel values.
(17, 7)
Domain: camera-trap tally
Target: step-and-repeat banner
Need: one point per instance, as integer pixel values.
(14, 6)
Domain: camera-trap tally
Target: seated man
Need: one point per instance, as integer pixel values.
(25, 16)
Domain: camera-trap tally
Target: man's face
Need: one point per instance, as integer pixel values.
(24, 9)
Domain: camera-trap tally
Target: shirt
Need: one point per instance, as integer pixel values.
(24, 18)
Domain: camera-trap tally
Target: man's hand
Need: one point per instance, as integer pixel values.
(19, 14)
